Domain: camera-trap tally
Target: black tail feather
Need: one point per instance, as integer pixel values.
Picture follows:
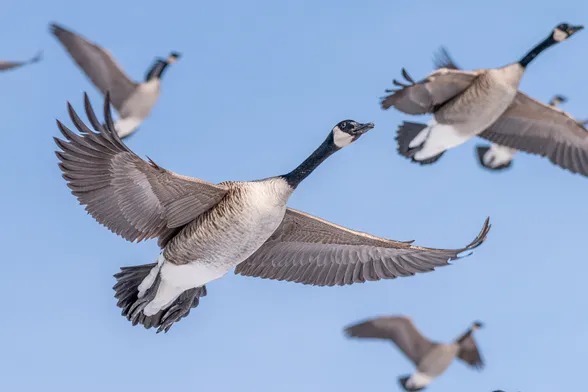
(405, 134)
(126, 291)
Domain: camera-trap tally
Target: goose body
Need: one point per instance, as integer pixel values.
(219, 239)
(466, 104)
(462, 118)
(430, 358)
(6, 65)
(133, 100)
(204, 230)
(495, 157)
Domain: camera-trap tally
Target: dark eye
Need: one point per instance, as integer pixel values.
(343, 125)
(563, 26)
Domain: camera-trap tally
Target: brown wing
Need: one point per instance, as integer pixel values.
(306, 249)
(425, 96)
(133, 198)
(469, 353)
(534, 127)
(98, 64)
(399, 329)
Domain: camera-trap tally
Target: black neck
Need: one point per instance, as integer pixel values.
(549, 41)
(465, 335)
(325, 150)
(156, 70)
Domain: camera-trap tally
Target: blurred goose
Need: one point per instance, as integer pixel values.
(487, 103)
(7, 65)
(494, 157)
(133, 100)
(205, 229)
(430, 358)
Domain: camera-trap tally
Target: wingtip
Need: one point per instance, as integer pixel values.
(55, 28)
(37, 57)
(70, 108)
(483, 233)
(479, 240)
(107, 102)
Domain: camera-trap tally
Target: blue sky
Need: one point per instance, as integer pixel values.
(259, 86)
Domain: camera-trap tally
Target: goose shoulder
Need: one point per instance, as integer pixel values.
(310, 250)
(537, 128)
(133, 198)
(508, 76)
(235, 227)
(479, 105)
(426, 95)
(98, 64)
(142, 99)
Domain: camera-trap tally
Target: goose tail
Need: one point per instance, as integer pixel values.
(137, 286)
(406, 134)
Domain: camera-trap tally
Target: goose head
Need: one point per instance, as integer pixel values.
(173, 57)
(160, 65)
(559, 34)
(477, 325)
(342, 135)
(564, 31)
(348, 131)
(558, 99)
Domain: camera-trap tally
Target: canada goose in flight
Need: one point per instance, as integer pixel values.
(206, 229)
(430, 358)
(133, 100)
(8, 65)
(487, 103)
(494, 157)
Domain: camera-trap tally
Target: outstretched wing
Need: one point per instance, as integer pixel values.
(306, 249)
(534, 127)
(98, 64)
(400, 330)
(133, 198)
(426, 95)
(469, 353)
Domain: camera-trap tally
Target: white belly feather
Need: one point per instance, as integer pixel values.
(137, 107)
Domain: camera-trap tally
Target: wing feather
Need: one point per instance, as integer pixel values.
(399, 330)
(135, 199)
(308, 247)
(98, 64)
(426, 95)
(534, 127)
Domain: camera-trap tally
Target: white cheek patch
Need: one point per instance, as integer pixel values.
(341, 138)
(559, 35)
